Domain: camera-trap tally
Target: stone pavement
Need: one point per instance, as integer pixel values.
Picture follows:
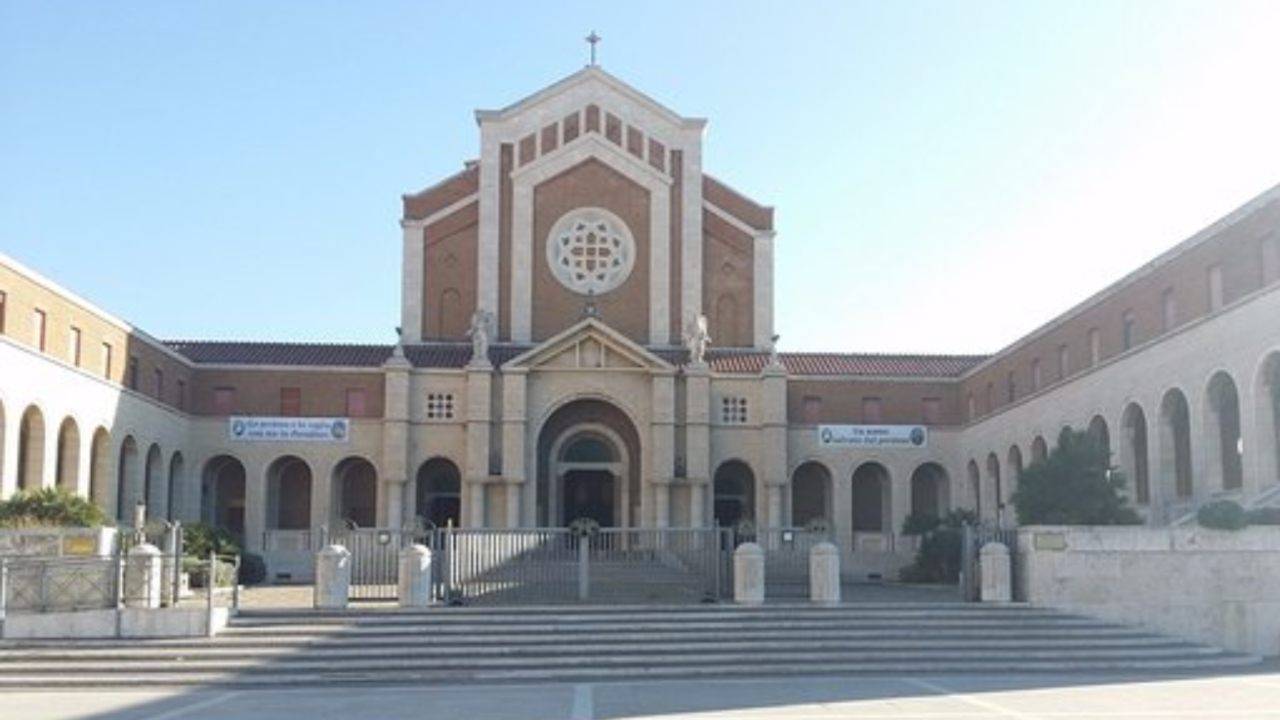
(1234, 697)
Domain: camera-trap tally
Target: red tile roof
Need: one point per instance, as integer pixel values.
(456, 355)
(729, 361)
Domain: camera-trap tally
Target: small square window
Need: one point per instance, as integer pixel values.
(37, 329)
(73, 346)
(106, 360)
(733, 410)
(439, 406)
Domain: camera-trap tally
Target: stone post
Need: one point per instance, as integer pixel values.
(476, 472)
(698, 440)
(415, 577)
(748, 574)
(143, 573)
(824, 574)
(333, 578)
(997, 573)
(395, 438)
(773, 453)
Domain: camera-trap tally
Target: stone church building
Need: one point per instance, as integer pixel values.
(587, 330)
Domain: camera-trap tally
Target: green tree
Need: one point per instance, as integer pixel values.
(1074, 485)
(50, 507)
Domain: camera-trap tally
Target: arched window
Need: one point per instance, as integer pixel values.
(438, 493)
(31, 449)
(1175, 443)
(872, 492)
(734, 490)
(930, 490)
(810, 494)
(355, 487)
(289, 494)
(1134, 457)
(67, 476)
(1225, 445)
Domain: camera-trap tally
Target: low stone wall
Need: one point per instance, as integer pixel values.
(125, 623)
(58, 542)
(1212, 586)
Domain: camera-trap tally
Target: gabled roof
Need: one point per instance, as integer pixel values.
(593, 329)
(589, 74)
(868, 365)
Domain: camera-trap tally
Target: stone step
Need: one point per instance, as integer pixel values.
(796, 655)
(348, 650)
(329, 677)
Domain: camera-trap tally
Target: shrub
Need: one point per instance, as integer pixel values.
(938, 558)
(199, 538)
(253, 569)
(1074, 485)
(920, 523)
(198, 570)
(1263, 516)
(1222, 515)
(50, 507)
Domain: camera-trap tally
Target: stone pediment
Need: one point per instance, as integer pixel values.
(590, 345)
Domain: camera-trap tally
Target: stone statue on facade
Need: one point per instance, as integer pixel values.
(697, 340)
(774, 360)
(480, 331)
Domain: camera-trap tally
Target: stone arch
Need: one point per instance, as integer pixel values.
(100, 469)
(67, 475)
(1013, 461)
(1039, 449)
(975, 486)
(930, 490)
(1267, 403)
(1135, 455)
(1223, 447)
(872, 491)
(733, 493)
(438, 493)
(289, 483)
(175, 495)
(1099, 431)
(810, 493)
(126, 486)
(1175, 444)
(727, 321)
(222, 494)
(452, 320)
(154, 485)
(995, 486)
(355, 492)
(596, 416)
(31, 449)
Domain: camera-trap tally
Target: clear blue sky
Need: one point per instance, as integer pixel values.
(947, 176)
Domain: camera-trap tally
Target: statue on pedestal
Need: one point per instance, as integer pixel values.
(697, 340)
(481, 328)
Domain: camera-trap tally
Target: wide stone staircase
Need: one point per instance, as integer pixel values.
(612, 643)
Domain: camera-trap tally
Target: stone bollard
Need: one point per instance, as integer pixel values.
(996, 572)
(748, 574)
(143, 571)
(415, 577)
(824, 574)
(333, 578)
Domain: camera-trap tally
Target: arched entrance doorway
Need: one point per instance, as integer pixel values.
(588, 466)
(438, 493)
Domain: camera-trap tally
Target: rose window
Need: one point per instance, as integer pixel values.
(590, 250)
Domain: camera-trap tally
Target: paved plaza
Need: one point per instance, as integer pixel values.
(1251, 696)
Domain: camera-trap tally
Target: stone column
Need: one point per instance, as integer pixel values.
(698, 440)
(143, 572)
(996, 571)
(9, 467)
(333, 578)
(255, 504)
(824, 574)
(773, 449)
(514, 427)
(662, 447)
(748, 574)
(395, 436)
(415, 577)
(479, 412)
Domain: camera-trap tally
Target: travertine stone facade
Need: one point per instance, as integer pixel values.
(585, 403)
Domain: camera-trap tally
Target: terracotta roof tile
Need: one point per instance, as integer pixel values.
(456, 355)
(730, 361)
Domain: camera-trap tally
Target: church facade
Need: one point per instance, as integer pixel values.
(587, 331)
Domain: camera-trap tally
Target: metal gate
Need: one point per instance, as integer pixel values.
(975, 536)
(375, 558)
(786, 557)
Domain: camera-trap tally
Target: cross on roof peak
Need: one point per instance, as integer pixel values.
(593, 39)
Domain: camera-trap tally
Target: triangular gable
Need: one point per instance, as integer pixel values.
(590, 75)
(589, 345)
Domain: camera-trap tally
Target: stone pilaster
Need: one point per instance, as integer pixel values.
(698, 441)
(773, 444)
(395, 437)
(476, 472)
(514, 429)
(412, 281)
(662, 434)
